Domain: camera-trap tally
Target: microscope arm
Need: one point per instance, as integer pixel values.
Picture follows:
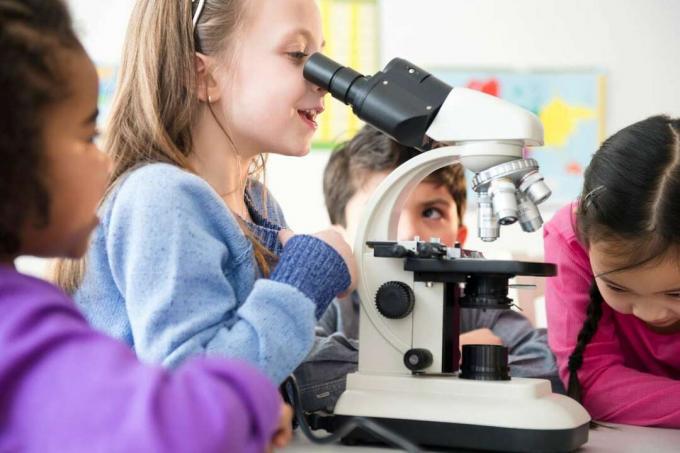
(488, 130)
(379, 223)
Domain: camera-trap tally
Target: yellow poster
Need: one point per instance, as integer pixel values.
(351, 31)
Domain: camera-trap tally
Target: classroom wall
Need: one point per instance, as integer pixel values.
(634, 41)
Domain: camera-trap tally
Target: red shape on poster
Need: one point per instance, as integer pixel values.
(490, 86)
(574, 168)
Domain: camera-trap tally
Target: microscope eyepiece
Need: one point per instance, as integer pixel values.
(402, 100)
(331, 76)
(320, 70)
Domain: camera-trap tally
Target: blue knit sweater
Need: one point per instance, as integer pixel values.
(171, 273)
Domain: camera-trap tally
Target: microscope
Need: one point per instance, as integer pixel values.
(411, 377)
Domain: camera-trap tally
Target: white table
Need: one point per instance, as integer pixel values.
(622, 439)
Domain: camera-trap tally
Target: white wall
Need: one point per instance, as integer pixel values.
(101, 26)
(634, 41)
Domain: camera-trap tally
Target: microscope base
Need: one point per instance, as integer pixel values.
(520, 415)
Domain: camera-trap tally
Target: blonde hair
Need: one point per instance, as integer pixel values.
(156, 99)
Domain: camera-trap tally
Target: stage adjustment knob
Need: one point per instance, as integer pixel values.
(417, 359)
(394, 300)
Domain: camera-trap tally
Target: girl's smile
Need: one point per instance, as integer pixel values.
(308, 116)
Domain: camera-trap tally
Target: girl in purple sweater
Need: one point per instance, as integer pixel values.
(63, 386)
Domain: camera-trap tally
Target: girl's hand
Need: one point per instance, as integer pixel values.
(284, 432)
(334, 238)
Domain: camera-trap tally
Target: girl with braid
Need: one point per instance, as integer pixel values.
(614, 308)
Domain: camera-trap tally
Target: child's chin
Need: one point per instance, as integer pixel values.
(80, 246)
(665, 330)
(297, 151)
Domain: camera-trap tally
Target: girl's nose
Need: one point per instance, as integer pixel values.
(317, 89)
(653, 316)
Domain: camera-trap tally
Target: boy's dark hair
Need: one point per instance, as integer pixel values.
(32, 33)
(630, 199)
(371, 151)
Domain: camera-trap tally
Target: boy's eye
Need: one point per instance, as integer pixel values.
(674, 295)
(432, 214)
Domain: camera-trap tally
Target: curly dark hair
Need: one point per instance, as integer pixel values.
(32, 35)
(370, 151)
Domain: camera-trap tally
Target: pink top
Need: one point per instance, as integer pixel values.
(630, 374)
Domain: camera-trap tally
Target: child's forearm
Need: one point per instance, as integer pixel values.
(622, 395)
(314, 268)
(273, 329)
(73, 389)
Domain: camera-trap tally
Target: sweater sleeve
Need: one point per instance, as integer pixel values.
(173, 259)
(611, 391)
(315, 268)
(74, 389)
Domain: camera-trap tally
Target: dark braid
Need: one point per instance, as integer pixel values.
(32, 34)
(593, 315)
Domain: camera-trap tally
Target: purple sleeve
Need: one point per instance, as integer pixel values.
(66, 387)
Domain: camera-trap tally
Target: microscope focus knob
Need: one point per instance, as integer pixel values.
(417, 359)
(394, 300)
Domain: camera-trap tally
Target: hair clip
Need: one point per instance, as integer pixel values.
(199, 10)
(590, 196)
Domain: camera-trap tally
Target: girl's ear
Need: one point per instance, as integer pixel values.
(208, 88)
